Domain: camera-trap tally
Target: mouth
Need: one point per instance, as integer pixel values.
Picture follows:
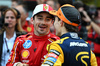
(42, 26)
(9, 23)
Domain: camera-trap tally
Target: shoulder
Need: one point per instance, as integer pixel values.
(54, 37)
(62, 40)
(1, 31)
(25, 36)
(21, 33)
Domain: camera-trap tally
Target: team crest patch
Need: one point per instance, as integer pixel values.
(74, 35)
(45, 7)
(29, 29)
(25, 54)
(27, 44)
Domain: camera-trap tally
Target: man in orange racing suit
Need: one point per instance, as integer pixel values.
(70, 50)
(30, 49)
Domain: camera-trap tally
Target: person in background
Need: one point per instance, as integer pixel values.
(97, 19)
(2, 9)
(8, 33)
(26, 24)
(16, 3)
(40, 1)
(62, 2)
(30, 49)
(94, 36)
(96, 45)
(52, 3)
(70, 50)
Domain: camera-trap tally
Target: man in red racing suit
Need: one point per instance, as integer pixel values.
(30, 49)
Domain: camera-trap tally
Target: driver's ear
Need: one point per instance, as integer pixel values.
(52, 21)
(62, 23)
(32, 20)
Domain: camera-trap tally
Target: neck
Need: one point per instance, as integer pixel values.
(63, 31)
(38, 34)
(9, 33)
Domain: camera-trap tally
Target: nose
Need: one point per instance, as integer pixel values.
(9, 18)
(43, 21)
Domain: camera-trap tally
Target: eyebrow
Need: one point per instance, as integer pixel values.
(39, 16)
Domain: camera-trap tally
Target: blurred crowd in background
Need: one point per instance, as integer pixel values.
(89, 29)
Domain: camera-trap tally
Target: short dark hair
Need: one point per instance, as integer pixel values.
(78, 4)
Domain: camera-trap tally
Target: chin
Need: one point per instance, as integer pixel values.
(9, 26)
(41, 32)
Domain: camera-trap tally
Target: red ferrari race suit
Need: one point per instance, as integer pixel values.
(30, 49)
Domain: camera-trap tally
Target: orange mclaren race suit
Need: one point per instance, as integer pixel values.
(30, 49)
(70, 50)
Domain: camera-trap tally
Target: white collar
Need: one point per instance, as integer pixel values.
(14, 36)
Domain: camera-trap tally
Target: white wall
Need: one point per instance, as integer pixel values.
(5, 2)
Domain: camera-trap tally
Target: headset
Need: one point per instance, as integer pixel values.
(18, 13)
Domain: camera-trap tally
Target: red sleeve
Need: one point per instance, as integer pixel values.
(15, 53)
(54, 37)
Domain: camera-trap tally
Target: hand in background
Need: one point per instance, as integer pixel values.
(86, 18)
